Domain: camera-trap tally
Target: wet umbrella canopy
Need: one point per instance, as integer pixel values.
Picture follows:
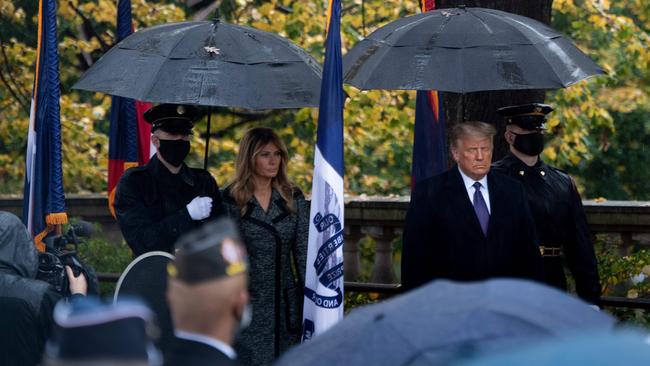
(466, 50)
(627, 347)
(209, 63)
(444, 321)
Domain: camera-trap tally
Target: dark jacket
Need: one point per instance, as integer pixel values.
(185, 352)
(560, 222)
(26, 304)
(443, 237)
(276, 241)
(150, 204)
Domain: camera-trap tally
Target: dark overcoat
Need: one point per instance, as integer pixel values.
(150, 204)
(443, 237)
(560, 223)
(276, 241)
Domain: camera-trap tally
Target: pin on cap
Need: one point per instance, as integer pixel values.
(210, 252)
(527, 116)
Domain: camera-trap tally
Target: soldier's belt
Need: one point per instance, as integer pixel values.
(550, 251)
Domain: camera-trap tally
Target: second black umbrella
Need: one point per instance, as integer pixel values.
(466, 50)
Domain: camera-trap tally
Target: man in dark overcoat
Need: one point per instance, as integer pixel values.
(469, 224)
(554, 201)
(158, 202)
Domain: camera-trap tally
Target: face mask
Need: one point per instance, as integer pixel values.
(530, 144)
(174, 151)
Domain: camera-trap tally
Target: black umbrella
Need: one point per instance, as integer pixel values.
(209, 63)
(466, 50)
(443, 321)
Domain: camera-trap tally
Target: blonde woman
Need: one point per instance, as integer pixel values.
(273, 217)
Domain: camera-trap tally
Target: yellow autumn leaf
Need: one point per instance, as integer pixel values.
(574, 159)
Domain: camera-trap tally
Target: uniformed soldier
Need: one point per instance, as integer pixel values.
(554, 200)
(158, 202)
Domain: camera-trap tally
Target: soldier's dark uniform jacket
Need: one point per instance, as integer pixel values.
(560, 222)
(150, 204)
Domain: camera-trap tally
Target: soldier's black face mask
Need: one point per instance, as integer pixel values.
(530, 144)
(174, 151)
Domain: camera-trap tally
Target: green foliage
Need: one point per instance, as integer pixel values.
(105, 257)
(354, 300)
(619, 170)
(626, 275)
(597, 121)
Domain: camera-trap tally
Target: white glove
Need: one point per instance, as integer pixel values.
(199, 208)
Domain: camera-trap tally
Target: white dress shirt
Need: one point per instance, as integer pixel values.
(469, 187)
(212, 342)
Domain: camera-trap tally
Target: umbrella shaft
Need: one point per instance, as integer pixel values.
(207, 141)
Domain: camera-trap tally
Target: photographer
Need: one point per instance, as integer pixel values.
(26, 303)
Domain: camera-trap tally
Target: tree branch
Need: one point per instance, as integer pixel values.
(15, 93)
(88, 27)
(18, 87)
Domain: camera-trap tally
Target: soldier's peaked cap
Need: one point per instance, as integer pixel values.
(173, 118)
(213, 251)
(527, 116)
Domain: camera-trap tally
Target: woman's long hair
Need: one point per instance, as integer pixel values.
(243, 187)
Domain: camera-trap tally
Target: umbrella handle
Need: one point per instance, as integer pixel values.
(207, 141)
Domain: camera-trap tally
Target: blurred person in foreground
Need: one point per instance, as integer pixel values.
(26, 304)
(208, 296)
(89, 332)
(273, 217)
(554, 200)
(468, 223)
(158, 202)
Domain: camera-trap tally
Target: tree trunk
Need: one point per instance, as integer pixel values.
(482, 106)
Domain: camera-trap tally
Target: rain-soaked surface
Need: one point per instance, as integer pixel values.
(208, 63)
(466, 50)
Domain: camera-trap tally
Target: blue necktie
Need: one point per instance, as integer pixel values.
(481, 208)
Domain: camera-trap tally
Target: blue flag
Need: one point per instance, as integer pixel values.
(44, 201)
(323, 304)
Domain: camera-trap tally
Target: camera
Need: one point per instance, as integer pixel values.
(58, 255)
